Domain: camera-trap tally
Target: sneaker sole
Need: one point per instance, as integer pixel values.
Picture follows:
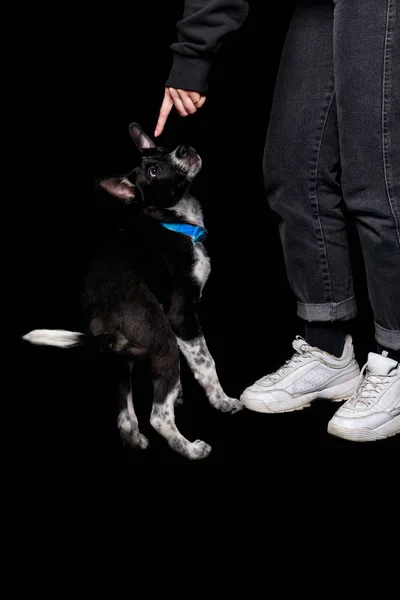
(364, 434)
(336, 393)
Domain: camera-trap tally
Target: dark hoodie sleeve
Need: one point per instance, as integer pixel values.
(201, 31)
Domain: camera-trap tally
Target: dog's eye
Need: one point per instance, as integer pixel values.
(153, 171)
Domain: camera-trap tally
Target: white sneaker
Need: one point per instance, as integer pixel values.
(310, 374)
(373, 412)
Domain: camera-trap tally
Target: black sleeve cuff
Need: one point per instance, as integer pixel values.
(189, 73)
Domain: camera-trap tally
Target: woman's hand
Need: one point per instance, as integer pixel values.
(185, 102)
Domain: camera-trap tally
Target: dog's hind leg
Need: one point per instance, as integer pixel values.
(167, 391)
(127, 419)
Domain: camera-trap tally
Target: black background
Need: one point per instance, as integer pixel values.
(87, 76)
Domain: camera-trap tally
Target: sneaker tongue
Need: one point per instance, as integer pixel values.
(380, 365)
(298, 343)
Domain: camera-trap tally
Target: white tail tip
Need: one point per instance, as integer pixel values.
(53, 337)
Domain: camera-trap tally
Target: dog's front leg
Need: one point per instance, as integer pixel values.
(193, 346)
(202, 364)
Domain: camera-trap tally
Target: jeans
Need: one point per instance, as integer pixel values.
(333, 149)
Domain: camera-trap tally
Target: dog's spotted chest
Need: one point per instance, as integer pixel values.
(189, 209)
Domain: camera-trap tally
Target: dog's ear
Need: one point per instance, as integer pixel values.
(142, 141)
(120, 187)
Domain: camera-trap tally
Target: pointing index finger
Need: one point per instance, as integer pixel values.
(165, 109)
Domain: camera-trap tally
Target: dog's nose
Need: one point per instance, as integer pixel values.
(183, 151)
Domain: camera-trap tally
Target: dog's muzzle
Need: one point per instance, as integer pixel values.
(186, 161)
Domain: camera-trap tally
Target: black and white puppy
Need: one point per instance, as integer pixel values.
(143, 289)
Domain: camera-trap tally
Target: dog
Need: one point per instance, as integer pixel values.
(143, 288)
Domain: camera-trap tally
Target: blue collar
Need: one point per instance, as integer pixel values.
(198, 234)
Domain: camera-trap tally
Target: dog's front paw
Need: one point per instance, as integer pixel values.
(236, 405)
(198, 450)
(228, 405)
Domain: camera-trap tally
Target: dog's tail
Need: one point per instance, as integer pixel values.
(56, 337)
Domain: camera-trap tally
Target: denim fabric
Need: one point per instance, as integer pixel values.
(333, 147)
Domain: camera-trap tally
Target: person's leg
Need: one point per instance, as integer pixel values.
(327, 336)
(302, 169)
(367, 81)
(302, 179)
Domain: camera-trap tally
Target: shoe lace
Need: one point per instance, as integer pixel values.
(297, 358)
(369, 387)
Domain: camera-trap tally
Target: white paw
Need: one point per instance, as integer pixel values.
(198, 450)
(143, 442)
(136, 440)
(228, 405)
(130, 433)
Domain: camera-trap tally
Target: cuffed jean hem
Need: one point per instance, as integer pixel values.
(329, 311)
(388, 338)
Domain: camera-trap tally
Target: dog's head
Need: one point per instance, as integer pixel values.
(161, 179)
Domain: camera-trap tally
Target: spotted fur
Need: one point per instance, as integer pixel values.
(203, 366)
(163, 420)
